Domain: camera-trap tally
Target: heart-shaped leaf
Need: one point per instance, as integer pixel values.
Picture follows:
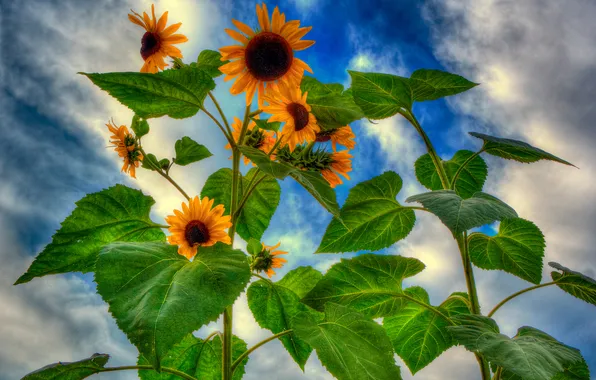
(189, 151)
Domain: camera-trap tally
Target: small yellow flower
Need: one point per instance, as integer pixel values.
(340, 164)
(198, 225)
(126, 146)
(267, 259)
(342, 136)
(266, 55)
(158, 41)
(256, 138)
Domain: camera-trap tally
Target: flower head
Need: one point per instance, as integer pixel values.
(158, 41)
(198, 225)
(340, 164)
(125, 144)
(267, 259)
(255, 137)
(265, 55)
(342, 136)
(290, 106)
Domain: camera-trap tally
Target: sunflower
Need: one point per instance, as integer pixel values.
(265, 55)
(257, 138)
(342, 136)
(267, 259)
(158, 41)
(340, 164)
(198, 224)
(289, 106)
(125, 144)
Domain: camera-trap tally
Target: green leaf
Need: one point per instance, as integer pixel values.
(197, 358)
(371, 218)
(515, 150)
(419, 334)
(434, 84)
(150, 162)
(313, 182)
(301, 280)
(254, 247)
(469, 181)
(370, 284)
(380, 96)
(315, 88)
(531, 354)
(70, 371)
(274, 305)
(348, 344)
(334, 110)
(266, 125)
(210, 61)
(139, 126)
(575, 371)
(258, 209)
(577, 284)
(463, 214)
(518, 248)
(176, 93)
(189, 151)
(158, 297)
(118, 213)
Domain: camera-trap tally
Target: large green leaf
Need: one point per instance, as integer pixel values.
(419, 334)
(275, 304)
(434, 84)
(371, 218)
(189, 151)
(469, 181)
(349, 345)
(518, 248)
(118, 213)
(70, 371)
(258, 209)
(315, 88)
(515, 150)
(463, 214)
(531, 354)
(313, 182)
(178, 93)
(334, 110)
(575, 283)
(370, 284)
(158, 297)
(210, 61)
(380, 95)
(197, 358)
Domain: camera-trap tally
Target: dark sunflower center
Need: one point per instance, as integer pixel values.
(300, 115)
(196, 232)
(268, 56)
(262, 261)
(150, 43)
(129, 140)
(322, 137)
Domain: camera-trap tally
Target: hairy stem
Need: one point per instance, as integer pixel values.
(166, 176)
(250, 350)
(494, 310)
(138, 367)
(462, 167)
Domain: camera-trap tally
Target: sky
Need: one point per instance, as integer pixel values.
(535, 60)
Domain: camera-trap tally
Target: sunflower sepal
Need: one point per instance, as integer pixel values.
(264, 124)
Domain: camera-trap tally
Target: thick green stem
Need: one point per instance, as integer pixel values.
(462, 167)
(498, 373)
(250, 350)
(148, 367)
(494, 310)
(223, 116)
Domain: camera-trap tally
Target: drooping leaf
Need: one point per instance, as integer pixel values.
(266, 125)
(197, 358)
(369, 283)
(348, 344)
(334, 110)
(315, 88)
(577, 284)
(434, 84)
(210, 61)
(118, 213)
(518, 248)
(189, 151)
(463, 214)
(258, 209)
(531, 354)
(158, 297)
(371, 218)
(515, 150)
(313, 182)
(419, 334)
(176, 93)
(70, 371)
(380, 95)
(139, 126)
(274, 305)
(469, 181)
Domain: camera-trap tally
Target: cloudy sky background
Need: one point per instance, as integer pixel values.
(536, 61)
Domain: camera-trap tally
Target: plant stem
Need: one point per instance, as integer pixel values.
(249, 190)
(223, 116)
(138, 367)
(166, 176)
(228, 137)
(462, 167)
(255, 113)
(250, 350)
(494, 310)
(498, 373)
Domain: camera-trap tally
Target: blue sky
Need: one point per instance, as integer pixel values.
(536, 62)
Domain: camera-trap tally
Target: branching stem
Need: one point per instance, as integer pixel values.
(494, 310)
(138, 367)
(165, 175)
(250, 350)
(462, 167)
